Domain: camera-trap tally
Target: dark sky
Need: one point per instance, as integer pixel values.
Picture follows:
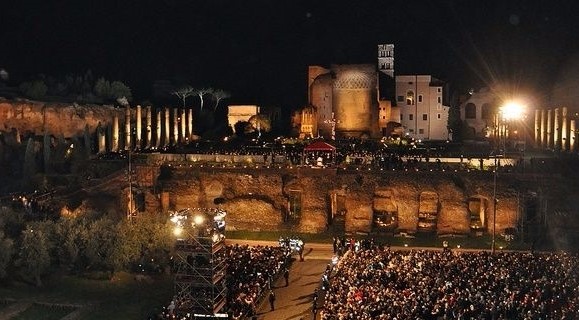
(260, 50)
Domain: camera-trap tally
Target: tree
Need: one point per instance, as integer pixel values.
(102, 89)
(240, 128)
(35, 253)
(202, 92)
(123, 101)
(184, 93)
(6, 252)
(220, 95)
(454, 124)
(110, 91)
(102, 249)
(68, 235)
(260, 123)
(35, 89)
(120, 90)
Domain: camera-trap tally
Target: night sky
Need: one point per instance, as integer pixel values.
(260, 50)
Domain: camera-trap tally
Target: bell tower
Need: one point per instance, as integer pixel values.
(386, 59)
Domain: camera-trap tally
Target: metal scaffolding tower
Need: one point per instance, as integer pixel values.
(199, 262)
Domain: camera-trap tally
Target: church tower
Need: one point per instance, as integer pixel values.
(386, 59)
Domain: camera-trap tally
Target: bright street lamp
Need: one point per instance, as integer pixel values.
(511, 110)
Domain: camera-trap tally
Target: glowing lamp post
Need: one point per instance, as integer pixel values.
(510, 111)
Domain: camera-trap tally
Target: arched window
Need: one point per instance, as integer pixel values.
(410, 97)
(470, 111)
(487, 111)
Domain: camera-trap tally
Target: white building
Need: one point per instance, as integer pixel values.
(238, 113)
(419, 101)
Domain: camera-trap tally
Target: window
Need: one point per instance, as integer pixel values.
(419, 98)
(420, 131)
(424, 116)
(400, 98)
(438, 116)
(401, 117)
(388, 66)
(487, 111)
(410, 117)
(439, 99)
(439, 90)
(470, 111)
(383, 117)
(411, 130)
(410, 97)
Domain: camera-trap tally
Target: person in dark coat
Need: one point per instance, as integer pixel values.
(286, 276)
(272, 300)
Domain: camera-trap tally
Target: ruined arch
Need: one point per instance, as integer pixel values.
(385, 207)
(428, 209)
(478, 209)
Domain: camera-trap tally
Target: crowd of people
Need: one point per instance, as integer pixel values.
(378, 283)
(251, 271)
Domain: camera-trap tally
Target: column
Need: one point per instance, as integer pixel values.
(537, 127)
(167, 126)
(543, 128)
(549, 129)
(183, 132)
(175, 125)
(564, 132)
(572, 136)
(138, 141)
(190, 124)
(557, 130)
(149, 128)
(127, 128)
(115, 144)
(158, 129)
(101, 139)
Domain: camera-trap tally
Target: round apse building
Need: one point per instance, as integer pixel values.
(354, 100)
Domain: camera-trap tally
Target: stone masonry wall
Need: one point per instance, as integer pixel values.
(258, 199)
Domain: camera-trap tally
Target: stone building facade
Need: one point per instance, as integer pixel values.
(344, 97)
(420, 101)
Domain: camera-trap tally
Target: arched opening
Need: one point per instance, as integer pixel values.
(385, 217)
(428, 211)
(487, 112)
(477, 209)
(470, 111)
(410, 97)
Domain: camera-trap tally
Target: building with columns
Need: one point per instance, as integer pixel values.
(555, 129)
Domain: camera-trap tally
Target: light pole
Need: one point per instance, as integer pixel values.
(509, 111)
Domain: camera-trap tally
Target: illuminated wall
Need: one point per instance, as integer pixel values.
(354, 100)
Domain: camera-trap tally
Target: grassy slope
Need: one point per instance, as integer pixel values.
(120, 298)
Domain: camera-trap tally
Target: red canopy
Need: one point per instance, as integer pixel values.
(320, 146)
